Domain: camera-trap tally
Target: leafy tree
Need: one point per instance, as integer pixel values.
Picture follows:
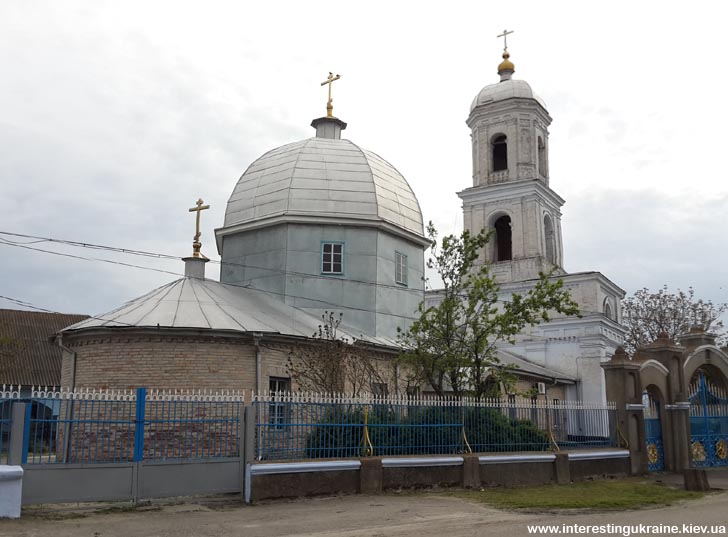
(453, 345)
(332, 363)
(647, 314)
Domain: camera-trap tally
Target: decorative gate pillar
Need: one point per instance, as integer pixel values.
(675, 419)
(679, 416)
(624, 388)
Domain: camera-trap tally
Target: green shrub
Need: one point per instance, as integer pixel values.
(423, 430)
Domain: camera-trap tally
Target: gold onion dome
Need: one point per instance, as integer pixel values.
(506, 64)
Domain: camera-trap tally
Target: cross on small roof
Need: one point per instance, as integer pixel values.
(196, 244)
(330, 105)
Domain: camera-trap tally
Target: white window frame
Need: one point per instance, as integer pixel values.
(400, 268)
(332, 257)
(278, 411)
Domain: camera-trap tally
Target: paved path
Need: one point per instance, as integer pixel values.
(420, 515)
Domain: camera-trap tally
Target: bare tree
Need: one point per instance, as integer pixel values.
(331, 363)
(647, 314)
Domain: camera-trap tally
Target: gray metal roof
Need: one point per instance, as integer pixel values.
(192, 303)
(507, 89)
(528, 367)
(324, 177)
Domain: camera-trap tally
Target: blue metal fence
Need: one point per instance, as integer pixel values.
(193, 427)
(708, 423)
(91, 427)
(307, 426)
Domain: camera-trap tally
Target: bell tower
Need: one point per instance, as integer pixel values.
(510, 193)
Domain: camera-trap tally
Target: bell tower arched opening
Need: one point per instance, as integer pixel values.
(500, 153)
(550, 237)
(503, 239)
(541, 157)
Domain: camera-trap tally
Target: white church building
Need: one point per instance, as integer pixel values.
(512, 195)
(323, 225)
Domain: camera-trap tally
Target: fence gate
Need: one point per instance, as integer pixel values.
(708, 423)
(653, 435)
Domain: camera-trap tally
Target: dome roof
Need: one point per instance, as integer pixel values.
(324, 178)
(503, 90)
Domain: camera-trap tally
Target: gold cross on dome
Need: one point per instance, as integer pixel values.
(196, 244)
(329, 105)
(504, 35)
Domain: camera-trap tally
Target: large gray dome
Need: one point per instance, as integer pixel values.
(323, 178)
(506, 89)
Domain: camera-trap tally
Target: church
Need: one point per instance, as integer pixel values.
(511, 195)
(323, 225)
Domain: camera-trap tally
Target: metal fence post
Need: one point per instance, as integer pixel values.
(19, 432)
(249, 434)
(141, 404)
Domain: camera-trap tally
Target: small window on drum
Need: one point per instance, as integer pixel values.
(400, 268)
(332, 257)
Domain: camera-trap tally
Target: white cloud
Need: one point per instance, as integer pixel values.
(118, 115)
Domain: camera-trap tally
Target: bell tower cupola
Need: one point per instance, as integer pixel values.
(509, 125)
(510, 194)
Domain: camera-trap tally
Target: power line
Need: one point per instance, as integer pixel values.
(174, 257)
(247, 286)
(25, 304)
(11, 243)
(37, 239)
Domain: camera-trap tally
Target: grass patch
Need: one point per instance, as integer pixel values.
(52, 515)
(613, 494)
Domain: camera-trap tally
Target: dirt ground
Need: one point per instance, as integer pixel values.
(391, 515)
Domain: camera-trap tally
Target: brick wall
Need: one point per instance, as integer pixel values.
(159, 361)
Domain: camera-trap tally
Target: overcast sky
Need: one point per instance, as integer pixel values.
(116, 116)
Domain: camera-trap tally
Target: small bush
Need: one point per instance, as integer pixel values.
(424, 430)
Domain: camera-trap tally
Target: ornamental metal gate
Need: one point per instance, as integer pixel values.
(708, 423)
(653, 435)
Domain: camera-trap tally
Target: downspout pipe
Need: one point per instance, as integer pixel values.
(257, 336)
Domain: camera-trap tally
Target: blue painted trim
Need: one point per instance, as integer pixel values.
(511, 459)
(421, 461)
(598, 455)
(343, 258)
(26, 433)
(141, 403)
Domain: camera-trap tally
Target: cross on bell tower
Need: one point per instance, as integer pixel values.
(505, 35)
(510, 193)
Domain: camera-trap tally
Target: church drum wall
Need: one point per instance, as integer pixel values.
(160, 361)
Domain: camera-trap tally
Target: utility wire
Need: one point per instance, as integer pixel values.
(249, 286)
(25, 304)
(246, 286)
(176, 258)
(11, 243)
